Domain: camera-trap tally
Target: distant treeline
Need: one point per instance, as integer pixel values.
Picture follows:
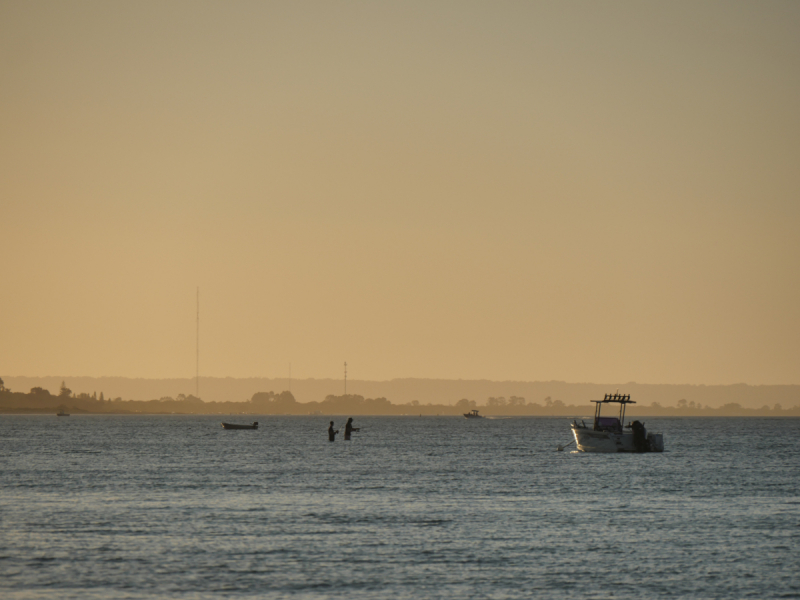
(426, 391)
(39, 400)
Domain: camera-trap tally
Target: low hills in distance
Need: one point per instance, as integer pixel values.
(394, 397)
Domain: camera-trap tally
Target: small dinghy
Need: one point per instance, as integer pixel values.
(237, 426)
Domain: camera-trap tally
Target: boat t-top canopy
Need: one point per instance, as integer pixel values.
(604, 423)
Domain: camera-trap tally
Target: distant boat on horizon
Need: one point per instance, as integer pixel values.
(473, 414)
(237, 426)
(61, 413)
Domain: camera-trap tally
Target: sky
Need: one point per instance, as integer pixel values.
(576, 191)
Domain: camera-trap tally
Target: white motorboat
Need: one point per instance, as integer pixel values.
(607, 434)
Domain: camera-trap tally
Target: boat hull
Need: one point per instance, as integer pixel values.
(589, 440)
(235, 426)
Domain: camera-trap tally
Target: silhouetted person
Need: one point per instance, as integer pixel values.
(332, 433)
(348, 428)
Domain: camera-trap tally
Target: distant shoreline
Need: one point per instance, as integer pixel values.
(42, 402)
(440, 392)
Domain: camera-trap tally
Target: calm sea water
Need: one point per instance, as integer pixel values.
(414, 507)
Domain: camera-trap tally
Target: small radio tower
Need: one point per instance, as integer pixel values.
(345, 378)
(197, 365)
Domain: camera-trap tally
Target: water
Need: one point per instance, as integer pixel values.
(177, 507)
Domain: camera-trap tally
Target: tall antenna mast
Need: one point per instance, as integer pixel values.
(197, 375)
(345, 378)
(290, 378)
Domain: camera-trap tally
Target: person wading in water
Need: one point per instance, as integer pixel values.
(332, 433)
(348, 428)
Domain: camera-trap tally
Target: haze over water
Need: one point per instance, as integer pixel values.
(176, 507)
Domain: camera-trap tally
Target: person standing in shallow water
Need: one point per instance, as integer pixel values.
(332, 433)
(348, 428)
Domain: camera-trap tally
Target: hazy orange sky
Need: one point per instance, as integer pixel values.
(580, 191)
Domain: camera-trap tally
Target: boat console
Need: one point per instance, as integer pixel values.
(611, 423)
(607, 424)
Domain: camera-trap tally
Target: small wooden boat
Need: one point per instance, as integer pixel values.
(237, 426)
